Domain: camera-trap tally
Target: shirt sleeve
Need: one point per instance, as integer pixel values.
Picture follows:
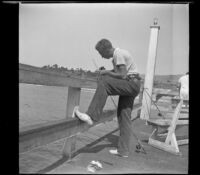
(119, 59)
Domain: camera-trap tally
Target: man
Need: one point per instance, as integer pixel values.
(183, 86)
(124, 81)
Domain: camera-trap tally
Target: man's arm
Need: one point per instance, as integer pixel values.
(121, 72)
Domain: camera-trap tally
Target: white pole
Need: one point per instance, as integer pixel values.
(150, 70)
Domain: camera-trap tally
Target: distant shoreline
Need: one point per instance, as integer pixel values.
(160, 81)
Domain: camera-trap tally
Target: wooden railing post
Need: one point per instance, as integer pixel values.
(72, 101)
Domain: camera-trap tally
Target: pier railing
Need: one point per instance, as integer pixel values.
(34, 136)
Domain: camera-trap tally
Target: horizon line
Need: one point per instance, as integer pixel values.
(94, 71)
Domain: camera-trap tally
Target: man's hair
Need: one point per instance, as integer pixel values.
(103, 44)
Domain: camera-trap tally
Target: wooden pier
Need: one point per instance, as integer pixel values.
(41, 146)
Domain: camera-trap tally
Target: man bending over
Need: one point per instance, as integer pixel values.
(124, 81)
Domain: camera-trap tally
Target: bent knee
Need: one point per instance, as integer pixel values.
(103, 80)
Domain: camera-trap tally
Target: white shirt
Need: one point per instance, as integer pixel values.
(121, 56)
(184, 90)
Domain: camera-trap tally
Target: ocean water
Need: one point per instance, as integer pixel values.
(40, 104)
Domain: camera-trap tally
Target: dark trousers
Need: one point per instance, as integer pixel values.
(127, 91)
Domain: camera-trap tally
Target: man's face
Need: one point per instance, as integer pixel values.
(105, 53)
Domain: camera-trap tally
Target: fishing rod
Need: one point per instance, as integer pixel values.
(98, 76)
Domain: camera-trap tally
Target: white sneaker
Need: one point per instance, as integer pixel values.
(82, 116)
(115, 152)
(75, 109)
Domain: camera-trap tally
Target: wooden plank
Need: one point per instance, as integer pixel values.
(73, 100)
(36, 75)
(166, 122)
(183, 142)
(183, 122)
(176, 100)
(183, 114)
(168, 94)
(163, 146)
(149, 76)
(175, 117)
(37, 135)
(159, 122)
(184, 117)
(69, 146)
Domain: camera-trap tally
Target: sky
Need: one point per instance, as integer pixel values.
(66, 34)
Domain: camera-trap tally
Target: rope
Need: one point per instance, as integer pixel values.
(148, 110)
(153, 102)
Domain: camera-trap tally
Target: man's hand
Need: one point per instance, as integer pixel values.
(102, 68)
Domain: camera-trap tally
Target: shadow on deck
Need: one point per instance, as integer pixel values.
(86, 149)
